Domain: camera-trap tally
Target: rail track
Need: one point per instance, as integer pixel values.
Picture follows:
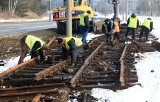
(54, 80)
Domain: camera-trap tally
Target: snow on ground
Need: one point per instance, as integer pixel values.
(9, 63)
(148, 73)
(149, 90)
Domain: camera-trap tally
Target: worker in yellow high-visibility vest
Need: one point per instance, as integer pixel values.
(146, 27)
(71, 46)
(34, 45)
(107, 30)
(84, 24)
(132, 24)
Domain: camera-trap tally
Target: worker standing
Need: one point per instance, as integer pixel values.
(71, 46)
(132, 24)
(146, 27)
(34, 45)
(107, 30)
(116, 29)
(84, 23)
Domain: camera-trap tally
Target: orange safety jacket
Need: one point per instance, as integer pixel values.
(116, 27)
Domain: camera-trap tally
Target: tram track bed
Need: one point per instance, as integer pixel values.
(99, 66)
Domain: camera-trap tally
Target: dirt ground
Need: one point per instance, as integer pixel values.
(10, 45)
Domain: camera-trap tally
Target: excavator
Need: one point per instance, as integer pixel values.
(78, 8)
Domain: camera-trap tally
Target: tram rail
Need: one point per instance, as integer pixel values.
(98, 66)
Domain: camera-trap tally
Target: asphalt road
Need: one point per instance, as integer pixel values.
(25, 27)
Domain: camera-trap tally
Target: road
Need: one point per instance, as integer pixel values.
(25, 27)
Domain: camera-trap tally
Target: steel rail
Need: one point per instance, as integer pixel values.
(74, 80)
(56, 67)
(11, 70)
(93, 41)
(32, 92)
(19, 66)
(51, 41)
(50, 70)
(31, 88)
(27, 95)
(37, 98)
(122, 62)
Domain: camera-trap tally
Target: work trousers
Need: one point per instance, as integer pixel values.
(144, 30)
(116, 36)
(73, 53)
(84, 34)
(109, 38)
(133, 32)
(35, 52)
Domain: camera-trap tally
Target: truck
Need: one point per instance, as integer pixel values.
(78, 8)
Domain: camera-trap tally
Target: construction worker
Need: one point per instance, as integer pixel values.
(116, 29)
(84, 23)
(71, 46)
(107, 30)
(132, 24)
(146, 27)
(34, 45)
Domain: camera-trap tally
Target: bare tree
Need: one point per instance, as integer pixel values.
(3, 5)
(12, 4)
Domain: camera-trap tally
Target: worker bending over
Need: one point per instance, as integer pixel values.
(34, 45)
(71, 46)
(107, 27)
(146, 27)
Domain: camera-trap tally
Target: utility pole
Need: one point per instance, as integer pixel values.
(69, 18)
(9, 7)
(115, 7)
(50, 9)
(123, 4)
(126, 9)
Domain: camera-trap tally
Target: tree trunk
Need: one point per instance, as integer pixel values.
(12, 6)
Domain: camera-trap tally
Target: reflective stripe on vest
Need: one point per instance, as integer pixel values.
(116, 29)
(133, 22)
(30, 40)
(146, 23)
(78, 42)
(82, 23)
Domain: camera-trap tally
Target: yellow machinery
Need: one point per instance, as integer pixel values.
(78, 7)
